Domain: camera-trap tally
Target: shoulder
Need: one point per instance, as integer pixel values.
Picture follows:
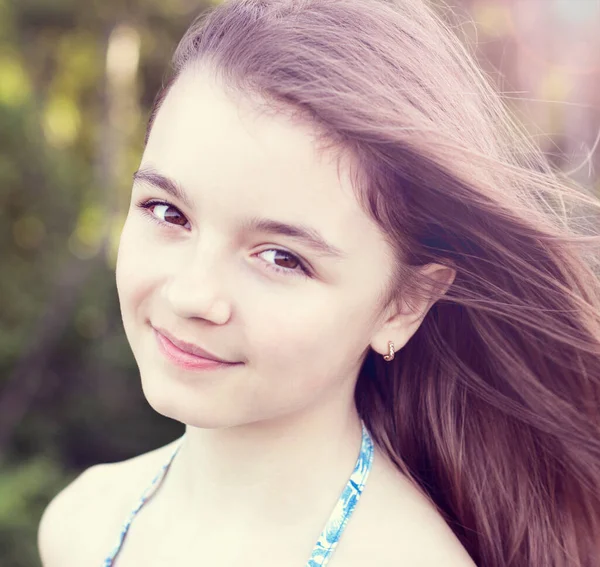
(87, 514)
(396, 524)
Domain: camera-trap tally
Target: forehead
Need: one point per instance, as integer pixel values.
(234, 160)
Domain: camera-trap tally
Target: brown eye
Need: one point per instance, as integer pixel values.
(168, 214)
(287, 260)
(287, 263)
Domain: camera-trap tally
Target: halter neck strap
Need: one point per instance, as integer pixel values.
(332, 531)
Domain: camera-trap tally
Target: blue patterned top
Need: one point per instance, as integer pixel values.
(334, 526)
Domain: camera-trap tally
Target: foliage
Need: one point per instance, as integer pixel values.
(25, 488)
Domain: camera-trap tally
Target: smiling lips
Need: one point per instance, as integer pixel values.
(187, 355)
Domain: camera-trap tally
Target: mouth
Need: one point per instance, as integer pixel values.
(187, 355)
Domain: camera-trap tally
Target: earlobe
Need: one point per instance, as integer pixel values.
(397, 331)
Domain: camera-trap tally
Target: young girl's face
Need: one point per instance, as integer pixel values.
(297, 317)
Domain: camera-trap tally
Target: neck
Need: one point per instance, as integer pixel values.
(267, 473)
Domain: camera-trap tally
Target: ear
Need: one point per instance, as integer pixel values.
(402, 319)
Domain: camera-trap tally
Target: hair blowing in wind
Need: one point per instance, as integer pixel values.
(493, 407)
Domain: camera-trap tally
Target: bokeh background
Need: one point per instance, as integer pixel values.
(76, 83)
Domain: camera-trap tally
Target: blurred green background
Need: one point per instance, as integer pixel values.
(76, 83)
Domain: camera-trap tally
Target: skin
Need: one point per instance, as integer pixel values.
(301, 339)
(284, 416)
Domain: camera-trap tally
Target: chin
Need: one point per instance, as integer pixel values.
(189, 403)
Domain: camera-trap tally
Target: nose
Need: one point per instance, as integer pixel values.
(196, 289)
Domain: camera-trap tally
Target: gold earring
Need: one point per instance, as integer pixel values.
(390, 355)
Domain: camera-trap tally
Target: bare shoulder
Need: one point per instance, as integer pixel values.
(395, 524)
(82, 522)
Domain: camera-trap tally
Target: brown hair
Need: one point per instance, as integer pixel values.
(493, 407)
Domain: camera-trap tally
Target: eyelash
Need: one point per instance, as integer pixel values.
(146, 207)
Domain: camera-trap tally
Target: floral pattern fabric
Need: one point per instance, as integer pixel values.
(334, 526)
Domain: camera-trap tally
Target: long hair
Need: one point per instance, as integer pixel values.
(492, 408)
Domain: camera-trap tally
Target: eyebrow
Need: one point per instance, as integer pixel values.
(302, 233)
(168, 185)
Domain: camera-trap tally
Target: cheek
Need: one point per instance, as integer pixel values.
(315, 337)
(138, 266)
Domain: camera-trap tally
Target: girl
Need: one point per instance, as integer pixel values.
(362, 289)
